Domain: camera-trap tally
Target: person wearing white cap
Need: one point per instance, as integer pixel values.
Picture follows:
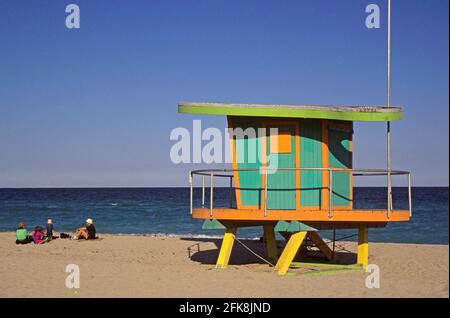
(87, 233)
(90, 228)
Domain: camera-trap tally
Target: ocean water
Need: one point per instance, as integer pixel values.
(166, 211)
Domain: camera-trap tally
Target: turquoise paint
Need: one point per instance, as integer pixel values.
(296, 226)
(293, 227)
(250, 183)
(340, 157)
(281, 226)
(310, 157)
(281, 184)
(212, 225)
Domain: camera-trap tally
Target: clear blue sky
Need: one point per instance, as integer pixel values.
(95, 106)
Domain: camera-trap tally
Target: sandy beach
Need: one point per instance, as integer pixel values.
(149, 266)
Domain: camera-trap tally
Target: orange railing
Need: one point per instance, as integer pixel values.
(229, 173)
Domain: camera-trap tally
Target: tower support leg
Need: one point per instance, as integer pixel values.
(321, 245)
(226, 247)
(271, 243)
(363, 246)
(289, 252)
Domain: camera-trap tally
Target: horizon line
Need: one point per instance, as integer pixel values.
(186, 187)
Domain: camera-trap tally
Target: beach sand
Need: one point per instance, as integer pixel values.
(149, 266)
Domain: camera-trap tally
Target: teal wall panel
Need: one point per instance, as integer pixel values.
(281, 184)
(340, 156)
(310, 157)
(250, 183)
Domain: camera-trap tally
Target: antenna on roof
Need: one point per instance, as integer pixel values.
(389, 105)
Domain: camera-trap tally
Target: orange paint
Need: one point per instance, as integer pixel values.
(281, 143)
(325, 176)
(348, 215)
(237, 188)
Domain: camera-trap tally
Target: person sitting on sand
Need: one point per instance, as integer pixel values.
(38, 236)
(87, 233)
(49, 229)
(22, 236)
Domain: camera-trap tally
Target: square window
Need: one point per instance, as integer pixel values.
(282, 144)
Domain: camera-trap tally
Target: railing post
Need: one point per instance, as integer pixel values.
(231, 192)
(211, 194)
(409, 195)
(389, 201)
(330, 193)
(265, 191)
(203, 191)
(334, 241)
(191, 194)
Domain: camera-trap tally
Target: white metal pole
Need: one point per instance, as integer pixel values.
(266, 182)
(211, 194)
(409, 195)
(191, 192)
(389, 105)
(330, 194)
(203, 191)
(231, 192)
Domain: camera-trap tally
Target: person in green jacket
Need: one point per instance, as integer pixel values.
(22, 236)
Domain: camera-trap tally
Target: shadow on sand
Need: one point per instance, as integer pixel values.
(202, 254)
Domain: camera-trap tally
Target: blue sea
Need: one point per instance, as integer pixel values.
(166, 211)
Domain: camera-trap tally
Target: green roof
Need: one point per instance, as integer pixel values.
(349, 113)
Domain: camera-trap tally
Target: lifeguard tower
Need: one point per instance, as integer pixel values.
(311, 187)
